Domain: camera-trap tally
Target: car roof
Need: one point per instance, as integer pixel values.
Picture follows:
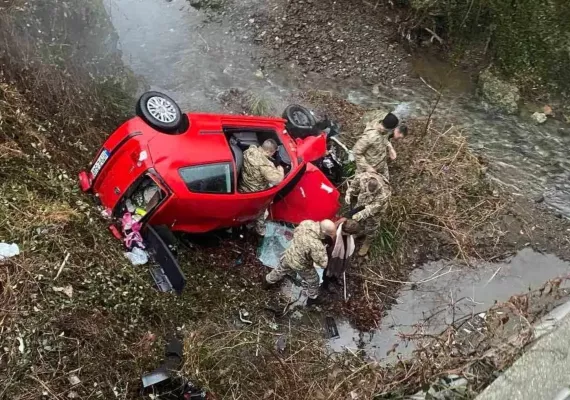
(204, 142)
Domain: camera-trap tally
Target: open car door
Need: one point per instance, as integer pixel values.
(313, 197)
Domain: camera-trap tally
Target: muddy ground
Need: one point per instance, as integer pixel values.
(335, 38)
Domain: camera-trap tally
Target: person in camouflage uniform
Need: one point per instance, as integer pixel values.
(259, 173)
(372, 192)
(306, 250)
(371, 151)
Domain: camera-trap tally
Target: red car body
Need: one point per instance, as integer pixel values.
(136, 150)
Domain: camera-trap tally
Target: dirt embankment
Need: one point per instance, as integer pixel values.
(336, 38)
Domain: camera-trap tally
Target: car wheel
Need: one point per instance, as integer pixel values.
(160, 112)
(300, 121)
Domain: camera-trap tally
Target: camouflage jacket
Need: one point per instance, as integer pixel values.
(306, 247)
(258, 171)
(371, 151)
(374, 203)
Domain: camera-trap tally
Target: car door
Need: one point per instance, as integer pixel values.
(310, 196)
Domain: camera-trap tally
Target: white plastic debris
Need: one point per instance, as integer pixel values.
(8, 250)
(74, 380)
(137, 256)
(21, 347)
(67, 290)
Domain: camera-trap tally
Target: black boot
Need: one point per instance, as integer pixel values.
(326, 281)
(313, 302)
(266, 285)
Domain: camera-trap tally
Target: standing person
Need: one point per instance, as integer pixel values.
(259, 173)
(373, 148)
(306, 249)
(339, 250)
(372, 192)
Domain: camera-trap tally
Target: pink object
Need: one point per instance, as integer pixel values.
(131, 230)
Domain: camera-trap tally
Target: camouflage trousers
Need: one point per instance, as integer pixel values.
(309, 275)
(260, 223)
(370, 226)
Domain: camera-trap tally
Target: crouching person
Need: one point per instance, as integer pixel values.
(306, 249)
(372, 192)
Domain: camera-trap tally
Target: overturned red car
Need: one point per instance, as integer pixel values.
(181, 170)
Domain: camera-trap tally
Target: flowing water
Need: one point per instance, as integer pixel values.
(195, 56)
(442, 293)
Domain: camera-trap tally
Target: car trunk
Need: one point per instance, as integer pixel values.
(144, 197)
(124, 165)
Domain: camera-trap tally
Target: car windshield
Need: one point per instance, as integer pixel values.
(211, 178)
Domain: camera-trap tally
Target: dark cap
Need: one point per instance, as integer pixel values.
(390, 121)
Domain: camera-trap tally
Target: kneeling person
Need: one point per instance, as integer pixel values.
(306, 249)
(259, 173)
(373, 192)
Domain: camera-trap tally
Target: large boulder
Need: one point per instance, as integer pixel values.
(503, 95)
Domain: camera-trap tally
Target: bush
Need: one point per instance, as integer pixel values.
(527, 39)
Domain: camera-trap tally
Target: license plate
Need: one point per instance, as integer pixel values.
(101, 160)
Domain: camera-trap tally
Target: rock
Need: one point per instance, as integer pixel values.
(539, 118)
(539, 199)
(503, 95)
(259, 74)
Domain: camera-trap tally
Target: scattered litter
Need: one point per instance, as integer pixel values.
(21, 347)
(137, 256)
(8, 250)
(281, 343)
(332, 330)
(67, 290)
(106, 213)
(243, 314)
(74, 380)
(297, 315)
(72, 395)
(273, 326)
(62, 265)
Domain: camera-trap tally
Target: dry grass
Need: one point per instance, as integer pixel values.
(281, 363)
(276, 361)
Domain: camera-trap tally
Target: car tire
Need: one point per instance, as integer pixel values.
(160, 112)
(300, 121)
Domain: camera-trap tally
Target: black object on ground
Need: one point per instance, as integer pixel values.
(169, 276)
(164, 381)
(332, 330)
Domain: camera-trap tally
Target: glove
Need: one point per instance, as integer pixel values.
(348, 197)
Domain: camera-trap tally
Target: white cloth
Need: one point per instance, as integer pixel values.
(339, 251)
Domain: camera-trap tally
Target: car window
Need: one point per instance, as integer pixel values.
(211, 178)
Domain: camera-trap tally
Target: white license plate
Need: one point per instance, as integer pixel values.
(103, 157)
